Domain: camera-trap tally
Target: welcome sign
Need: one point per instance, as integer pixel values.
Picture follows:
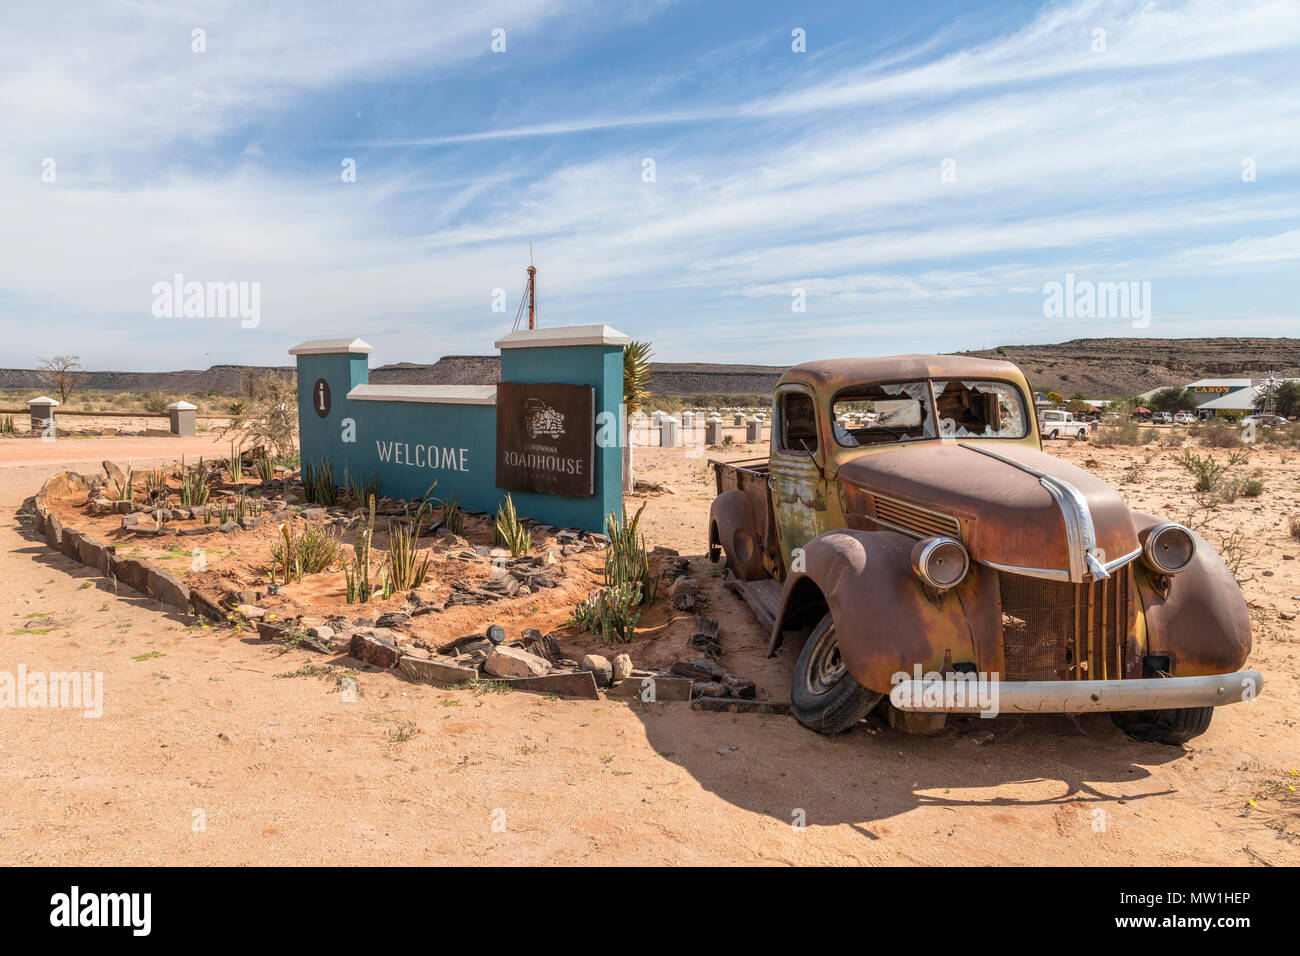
(546, 438)
(532, 434)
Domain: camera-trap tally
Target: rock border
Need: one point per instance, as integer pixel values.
(149, 580)
(153, 581)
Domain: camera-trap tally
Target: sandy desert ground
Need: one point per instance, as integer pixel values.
(209, 751)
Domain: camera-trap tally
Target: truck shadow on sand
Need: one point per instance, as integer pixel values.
(873, 773)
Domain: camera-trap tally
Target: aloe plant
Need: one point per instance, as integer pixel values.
(508, 532)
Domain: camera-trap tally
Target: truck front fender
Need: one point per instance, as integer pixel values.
(733, 528)
(1201, 623)
(885, 621)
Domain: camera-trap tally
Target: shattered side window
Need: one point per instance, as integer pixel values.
(980, 409)
(878, 414)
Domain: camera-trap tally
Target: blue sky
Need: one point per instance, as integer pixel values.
(774, 171)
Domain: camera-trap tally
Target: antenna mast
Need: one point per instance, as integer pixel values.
(532, 290)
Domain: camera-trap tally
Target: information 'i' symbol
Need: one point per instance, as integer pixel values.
(321, 395)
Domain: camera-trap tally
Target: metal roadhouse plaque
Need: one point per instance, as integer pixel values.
(546, 438)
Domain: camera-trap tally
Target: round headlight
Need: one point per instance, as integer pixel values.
(940, 562)
(1168, 548)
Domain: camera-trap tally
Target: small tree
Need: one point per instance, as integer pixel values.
(268, 415)
(1173, 399)
(1077, 406)
(636, 390)
(64, 373)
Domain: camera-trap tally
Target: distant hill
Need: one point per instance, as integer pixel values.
(1107, 368)
(1101, 368)
(223, 379)
(670, 378)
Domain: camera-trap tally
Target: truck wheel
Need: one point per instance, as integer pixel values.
(1053, 434)
(1171, 727)
(823, 694)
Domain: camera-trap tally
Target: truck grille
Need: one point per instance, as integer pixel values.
(1053, 630)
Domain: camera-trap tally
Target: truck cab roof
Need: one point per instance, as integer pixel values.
(832, 373)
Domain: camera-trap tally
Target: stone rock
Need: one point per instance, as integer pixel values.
(323, 633)
(205, 606)
(700, 669)
(166, 588)
(684, 585)
(102, 506)
(600, 667)
(128, 571)
(741, 687)
(709, 688)
(436, 669)
(512, 662)
(392, 619)
(622, 665)
(115, 474)
(312, 514)
(543, 645)
(123, 507)
(228, 527)
(373, 649)
(248, 522)
(250, 611)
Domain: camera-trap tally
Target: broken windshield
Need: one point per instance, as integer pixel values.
(911, 411)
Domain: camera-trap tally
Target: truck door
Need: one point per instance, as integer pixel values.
(797, 459)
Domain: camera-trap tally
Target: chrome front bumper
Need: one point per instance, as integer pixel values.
(1075, 696)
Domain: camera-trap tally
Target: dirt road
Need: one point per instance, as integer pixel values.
(210, 750)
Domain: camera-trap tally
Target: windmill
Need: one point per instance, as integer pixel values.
(1268, 387)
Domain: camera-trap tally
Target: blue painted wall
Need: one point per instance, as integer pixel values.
(600, 366)
(397, 439)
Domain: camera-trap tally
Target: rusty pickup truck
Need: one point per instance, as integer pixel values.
(907, 535)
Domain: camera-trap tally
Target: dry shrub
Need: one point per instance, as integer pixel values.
(1218, 434)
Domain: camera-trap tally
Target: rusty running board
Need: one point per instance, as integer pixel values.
(763, 597)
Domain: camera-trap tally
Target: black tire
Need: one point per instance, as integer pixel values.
(823, 695)
(1169, 727)
(1053, 435)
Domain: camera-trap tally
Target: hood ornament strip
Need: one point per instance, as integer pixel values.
(1080, 534)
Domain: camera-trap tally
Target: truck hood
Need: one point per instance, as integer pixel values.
(1017, 507)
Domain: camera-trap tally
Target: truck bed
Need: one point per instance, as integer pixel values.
(749, 477)
(740, 475)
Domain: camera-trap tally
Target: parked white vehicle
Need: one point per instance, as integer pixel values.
(1054, 423)
(1184, 418)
